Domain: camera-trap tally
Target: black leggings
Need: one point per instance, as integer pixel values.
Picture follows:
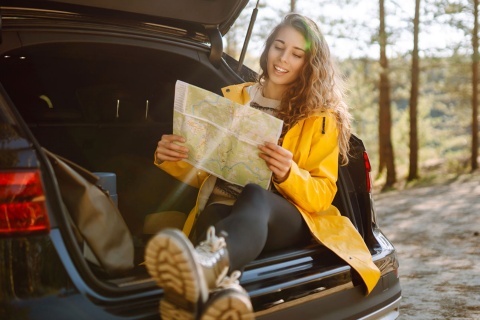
(259, 220)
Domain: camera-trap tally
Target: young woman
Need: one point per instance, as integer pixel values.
(298, 84)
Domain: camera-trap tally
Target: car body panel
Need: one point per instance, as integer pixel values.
(219, 13)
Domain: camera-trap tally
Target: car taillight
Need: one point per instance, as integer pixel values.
(368, 169)
(22, 203)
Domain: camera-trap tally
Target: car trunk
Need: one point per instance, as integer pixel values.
(103, 107)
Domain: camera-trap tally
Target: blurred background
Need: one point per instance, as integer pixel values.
(411, 69)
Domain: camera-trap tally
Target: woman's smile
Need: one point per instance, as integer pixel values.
(280, 70)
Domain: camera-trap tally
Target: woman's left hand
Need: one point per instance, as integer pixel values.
(278, 159)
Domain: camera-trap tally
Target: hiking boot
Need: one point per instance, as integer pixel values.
(169, 258)
(229, 301)
(212, 255)
(185, 274)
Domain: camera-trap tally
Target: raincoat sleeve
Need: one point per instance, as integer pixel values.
(311, 184)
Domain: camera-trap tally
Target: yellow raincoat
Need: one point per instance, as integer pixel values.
(310, 186)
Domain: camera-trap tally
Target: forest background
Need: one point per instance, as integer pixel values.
(411, 69)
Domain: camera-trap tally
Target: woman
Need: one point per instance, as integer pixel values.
(299, 85)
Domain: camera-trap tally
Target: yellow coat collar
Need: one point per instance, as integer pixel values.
(238, 92)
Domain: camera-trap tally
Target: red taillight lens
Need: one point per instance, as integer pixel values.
(22, 203)
(368, 169)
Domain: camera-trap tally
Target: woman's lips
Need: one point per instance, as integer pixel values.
(280, 70)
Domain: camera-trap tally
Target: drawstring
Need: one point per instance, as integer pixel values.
(323, 126)
(228, 282)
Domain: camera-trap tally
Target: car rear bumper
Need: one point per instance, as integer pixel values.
(389, 312)
(351, 303)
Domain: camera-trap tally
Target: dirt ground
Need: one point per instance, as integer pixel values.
(436, 230)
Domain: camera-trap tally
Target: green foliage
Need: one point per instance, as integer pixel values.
(362, 97)
(443, 110)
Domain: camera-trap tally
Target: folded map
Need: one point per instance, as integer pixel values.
(223, 136)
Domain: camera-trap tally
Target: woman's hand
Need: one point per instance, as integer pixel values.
(168, 150)
(278, 159)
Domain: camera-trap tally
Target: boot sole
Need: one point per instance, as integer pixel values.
(228, 305)
(169, 260)
(170, 311)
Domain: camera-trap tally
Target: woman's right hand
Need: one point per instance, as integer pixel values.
(169, 150)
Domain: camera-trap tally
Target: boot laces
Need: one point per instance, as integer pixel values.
(212, 243)
(230, 281)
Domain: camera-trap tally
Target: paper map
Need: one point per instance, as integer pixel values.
(222, 136)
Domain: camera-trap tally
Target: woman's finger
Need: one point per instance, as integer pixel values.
(278, 167)
(277, 152)
(168, 148)
(278, 160)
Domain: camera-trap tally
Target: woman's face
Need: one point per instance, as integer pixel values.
(286, 56)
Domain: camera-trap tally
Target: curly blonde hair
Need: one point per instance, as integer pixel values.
(319, 86)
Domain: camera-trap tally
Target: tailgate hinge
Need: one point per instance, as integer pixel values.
(216, 45)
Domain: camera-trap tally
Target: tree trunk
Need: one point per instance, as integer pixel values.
(475, 58)
(386, 155)
(413, 166)
(293, 5)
